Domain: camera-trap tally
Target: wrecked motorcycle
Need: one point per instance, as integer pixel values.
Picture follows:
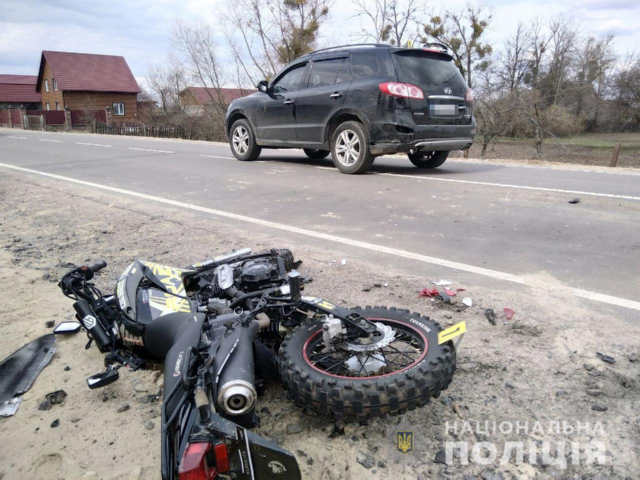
(225, 326)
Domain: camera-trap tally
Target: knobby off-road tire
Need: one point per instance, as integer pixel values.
(316, 154)
(350, 148)
(242, 141)
(428, 159)
(361, 398)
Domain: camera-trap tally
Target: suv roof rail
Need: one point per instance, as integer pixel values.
(338, 47)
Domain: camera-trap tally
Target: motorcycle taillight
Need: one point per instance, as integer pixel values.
(222, 457)
(195, 465)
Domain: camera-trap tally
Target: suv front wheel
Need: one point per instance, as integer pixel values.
(243, 143)
(350, 148)
(424, 159)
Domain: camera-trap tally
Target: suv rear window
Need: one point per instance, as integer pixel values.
(431, 72)
(371, 64)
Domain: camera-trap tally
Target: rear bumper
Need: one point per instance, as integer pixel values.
(439, 144)
(388, 138)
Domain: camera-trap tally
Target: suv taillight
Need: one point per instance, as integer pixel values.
(469, 96)
(403, 90)
(195, 463)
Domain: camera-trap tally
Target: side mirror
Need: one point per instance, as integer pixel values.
(98, 380)
(263, 86)
(67, 327)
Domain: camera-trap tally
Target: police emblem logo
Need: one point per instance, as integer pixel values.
(404, 441)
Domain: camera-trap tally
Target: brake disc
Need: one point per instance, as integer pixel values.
(387, 333)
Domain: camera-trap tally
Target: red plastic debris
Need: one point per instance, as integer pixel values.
(429, 292)
(509, 313)
(451, 293)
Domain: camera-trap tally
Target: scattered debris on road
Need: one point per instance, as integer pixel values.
(491, 315)
(467, 301)
(606, 358)
(573, 201)
(20, 369)
(442, 283)
(509, 313)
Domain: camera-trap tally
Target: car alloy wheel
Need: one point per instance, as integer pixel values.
(240, 140)
(348, 147)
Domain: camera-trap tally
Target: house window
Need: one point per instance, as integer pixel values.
(55, 85)
(118, 108)
(48, 107)
(46, 85)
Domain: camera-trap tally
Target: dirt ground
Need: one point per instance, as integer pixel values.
(553, 152)
(539, 368)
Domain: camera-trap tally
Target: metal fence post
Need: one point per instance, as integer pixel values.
(614, 156)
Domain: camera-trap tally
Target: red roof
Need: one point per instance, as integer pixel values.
(88, 72)
(203, 95)
(19, 89)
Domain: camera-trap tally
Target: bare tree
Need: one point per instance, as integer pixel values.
(462, 32)
(538, 43)
(391, 20)
(268, 34)
(562, 50)
(198, 48)
(166, 82)
(513, 65)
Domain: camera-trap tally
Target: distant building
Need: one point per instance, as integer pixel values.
(19, 91)
(89, 82)
(195, 99)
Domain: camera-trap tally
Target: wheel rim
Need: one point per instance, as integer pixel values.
(240, 140)
(348, 148)
(407, 350)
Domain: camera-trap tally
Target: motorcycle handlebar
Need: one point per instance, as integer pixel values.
(96, 267)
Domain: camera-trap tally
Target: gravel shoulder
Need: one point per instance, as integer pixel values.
(540, 366)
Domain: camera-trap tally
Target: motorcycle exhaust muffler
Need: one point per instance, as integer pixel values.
(236, 385)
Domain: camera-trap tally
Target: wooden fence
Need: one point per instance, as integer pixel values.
(143, 131)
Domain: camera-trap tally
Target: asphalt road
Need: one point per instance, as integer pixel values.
(504, 223)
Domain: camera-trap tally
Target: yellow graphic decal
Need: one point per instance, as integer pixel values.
(171, 278)
(405, 441)
(326, 305)
(452, 332)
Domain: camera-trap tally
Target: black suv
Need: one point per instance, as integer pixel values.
(358, 102)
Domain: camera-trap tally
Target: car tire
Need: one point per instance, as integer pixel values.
(350, 148)
(424, 159)
(242, 141)
(314, 154)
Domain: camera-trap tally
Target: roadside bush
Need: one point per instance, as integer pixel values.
(562, 123)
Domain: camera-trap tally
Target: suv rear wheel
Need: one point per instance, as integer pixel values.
(243, 143)
(350, 148)
(424, 159)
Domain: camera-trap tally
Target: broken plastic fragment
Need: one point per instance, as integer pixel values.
(429, 292)
(509, 313)
(442, 283)
(20, 369)
(467, 301)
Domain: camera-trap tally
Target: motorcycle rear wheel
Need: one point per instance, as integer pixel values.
(411, 376)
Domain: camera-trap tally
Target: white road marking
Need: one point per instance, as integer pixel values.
(51, 140)
(507, 185)
(215, 156)
(495, 274)
(93, 144)
(501, 185)
(16, 137)
(150, 150)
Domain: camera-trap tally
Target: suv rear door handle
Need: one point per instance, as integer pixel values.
(335, 95)
(288, 101)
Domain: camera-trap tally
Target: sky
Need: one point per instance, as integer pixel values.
(141, 30)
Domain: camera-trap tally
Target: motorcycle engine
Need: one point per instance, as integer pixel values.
(258, 273)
